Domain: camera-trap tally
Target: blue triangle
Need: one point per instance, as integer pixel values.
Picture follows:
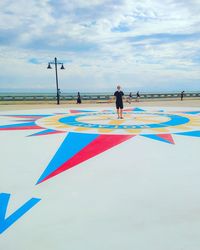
(18, 125)
(71, 145)
(191, 112)
(44, 132)
(138, 109)
(190, 133)
(82, 111)
(156, 137)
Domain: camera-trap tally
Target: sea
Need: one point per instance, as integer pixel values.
(65, 93)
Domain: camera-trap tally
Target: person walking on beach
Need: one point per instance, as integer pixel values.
(137, 96)
(78, 98)
(182, 94)
(119, 101)
(129, 98)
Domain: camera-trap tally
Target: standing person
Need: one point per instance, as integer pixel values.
(119, 101)
(129, 98)
(78, 98)
(137, 96)
(182, 94)
(58, 95)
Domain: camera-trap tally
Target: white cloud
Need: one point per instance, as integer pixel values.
(127, 41)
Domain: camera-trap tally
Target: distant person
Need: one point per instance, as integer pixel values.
(58, 96)
(182, 94)
(78, 98)
(59, 93)
(119, 101)
(129, 98)
(137, 96)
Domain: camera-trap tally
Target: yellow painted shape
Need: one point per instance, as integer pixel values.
(104, 130)
(182, 127)
(134, 131)
(117, 122)
(195, 123)
(81, 129)
(50, 123)
(164, 130)
(61, 126)
(147, 121)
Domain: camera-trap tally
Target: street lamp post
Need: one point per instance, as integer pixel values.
(55, 63)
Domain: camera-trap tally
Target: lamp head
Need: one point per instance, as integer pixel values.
(62, 67)
(49, 66)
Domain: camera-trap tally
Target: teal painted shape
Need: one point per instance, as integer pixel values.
(192, 112)
(157, 138)
(47, 132)
(5, 223)
(138, 109)
(18, 125)
(190, 133)
(82, 111)
(72, 144)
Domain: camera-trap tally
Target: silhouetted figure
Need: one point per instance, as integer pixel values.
(58, 96)
(137, 96)
(78, 98)
(129, 98)
(119, 101)
(182, 95)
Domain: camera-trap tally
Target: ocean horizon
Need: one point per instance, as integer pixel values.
(52, 93)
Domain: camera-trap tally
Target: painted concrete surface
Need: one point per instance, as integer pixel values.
(82, 179)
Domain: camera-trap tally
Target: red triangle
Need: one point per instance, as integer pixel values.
(98, 146)
(74, 111)
(22, 128)
(167, 137)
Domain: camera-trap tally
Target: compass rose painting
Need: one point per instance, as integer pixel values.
(71, 175)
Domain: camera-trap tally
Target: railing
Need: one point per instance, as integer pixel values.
(98, 97)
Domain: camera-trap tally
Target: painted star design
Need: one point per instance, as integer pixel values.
(91, 132)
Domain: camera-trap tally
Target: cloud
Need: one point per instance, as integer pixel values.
(102, 42)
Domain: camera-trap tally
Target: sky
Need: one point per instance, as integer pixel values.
(146, 45)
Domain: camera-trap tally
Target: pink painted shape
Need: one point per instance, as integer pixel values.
(98, 146)
(50, 133)
(27, 117)
(75, 111)
(167, 137)
(22, 128)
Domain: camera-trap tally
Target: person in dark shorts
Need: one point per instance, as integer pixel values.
(182, 94)
(137, 96)
(119, 101)
(129, 98)
(78, 98)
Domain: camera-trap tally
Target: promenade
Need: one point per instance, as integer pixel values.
(150, 103)
(75, 177)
